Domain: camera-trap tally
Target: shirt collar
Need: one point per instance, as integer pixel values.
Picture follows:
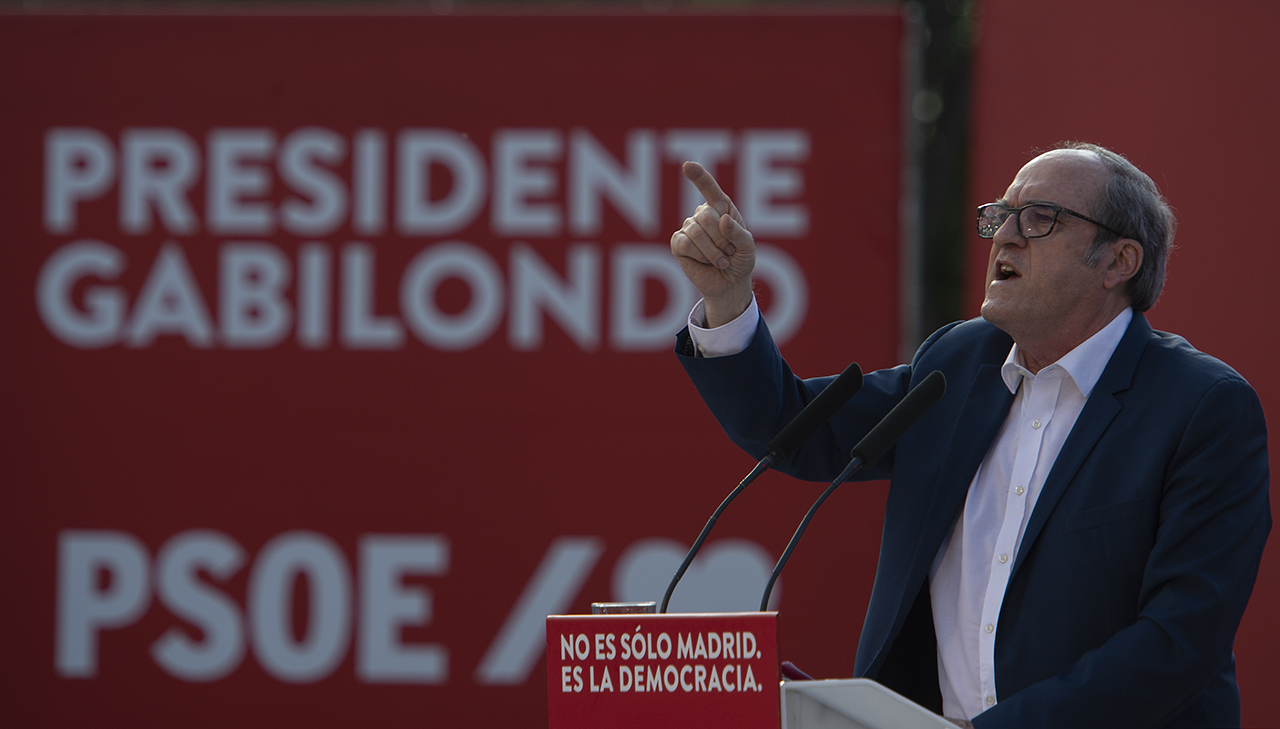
(1083, 365)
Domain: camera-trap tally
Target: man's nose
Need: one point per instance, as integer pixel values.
(1010, 232)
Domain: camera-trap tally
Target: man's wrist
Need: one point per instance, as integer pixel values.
(729, 338)
(724, 309)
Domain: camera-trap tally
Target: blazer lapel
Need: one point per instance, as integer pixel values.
(984, 411)
(1101, 408)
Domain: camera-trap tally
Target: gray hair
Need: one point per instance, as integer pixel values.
(1131, 202)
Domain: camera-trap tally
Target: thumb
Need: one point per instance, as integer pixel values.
(735, 233)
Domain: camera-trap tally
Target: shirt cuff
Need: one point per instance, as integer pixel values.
(723, 340)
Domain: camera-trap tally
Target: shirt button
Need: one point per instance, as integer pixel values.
(1004, 558)
(990, 628)
(1019, 491)
(1035, 424)
(991, 701)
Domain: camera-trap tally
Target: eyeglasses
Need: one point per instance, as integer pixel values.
(1034, 221)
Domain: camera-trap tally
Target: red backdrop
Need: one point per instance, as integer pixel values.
(1188, 93)
(337, 348)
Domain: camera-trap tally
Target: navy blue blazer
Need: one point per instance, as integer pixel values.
(1139, 556)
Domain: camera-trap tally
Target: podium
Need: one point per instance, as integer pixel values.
(698, 670)
(852, 703)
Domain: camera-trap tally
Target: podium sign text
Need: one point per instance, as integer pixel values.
(694, 670)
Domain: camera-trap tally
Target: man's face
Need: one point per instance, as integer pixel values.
(1041, 290)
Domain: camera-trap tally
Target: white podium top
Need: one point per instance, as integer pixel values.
(853, 703)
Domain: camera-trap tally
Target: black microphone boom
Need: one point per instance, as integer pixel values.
(818, 411)
(902, 416)
(869, 450)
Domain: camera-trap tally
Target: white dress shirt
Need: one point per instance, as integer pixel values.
(971, 571)
(723, 340)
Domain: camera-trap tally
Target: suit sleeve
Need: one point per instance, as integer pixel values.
(1214, 517)
(753, 394)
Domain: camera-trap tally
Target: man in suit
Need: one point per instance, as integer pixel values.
(1072, 533)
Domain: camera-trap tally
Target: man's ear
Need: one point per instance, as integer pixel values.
(1124, 262)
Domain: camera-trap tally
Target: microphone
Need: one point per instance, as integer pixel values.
(869, 450)
(900, 418)
(818, 411)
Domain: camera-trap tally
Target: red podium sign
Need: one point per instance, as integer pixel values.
(684, 670)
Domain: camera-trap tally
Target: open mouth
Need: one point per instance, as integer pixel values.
(1004, 272)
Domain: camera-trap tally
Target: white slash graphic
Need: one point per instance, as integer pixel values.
(523, 637)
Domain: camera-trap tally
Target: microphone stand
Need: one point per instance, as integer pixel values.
(760, 468)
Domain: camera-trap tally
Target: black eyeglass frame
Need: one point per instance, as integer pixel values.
(1057, 210)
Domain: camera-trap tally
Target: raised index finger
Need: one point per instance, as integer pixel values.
(708, 186)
